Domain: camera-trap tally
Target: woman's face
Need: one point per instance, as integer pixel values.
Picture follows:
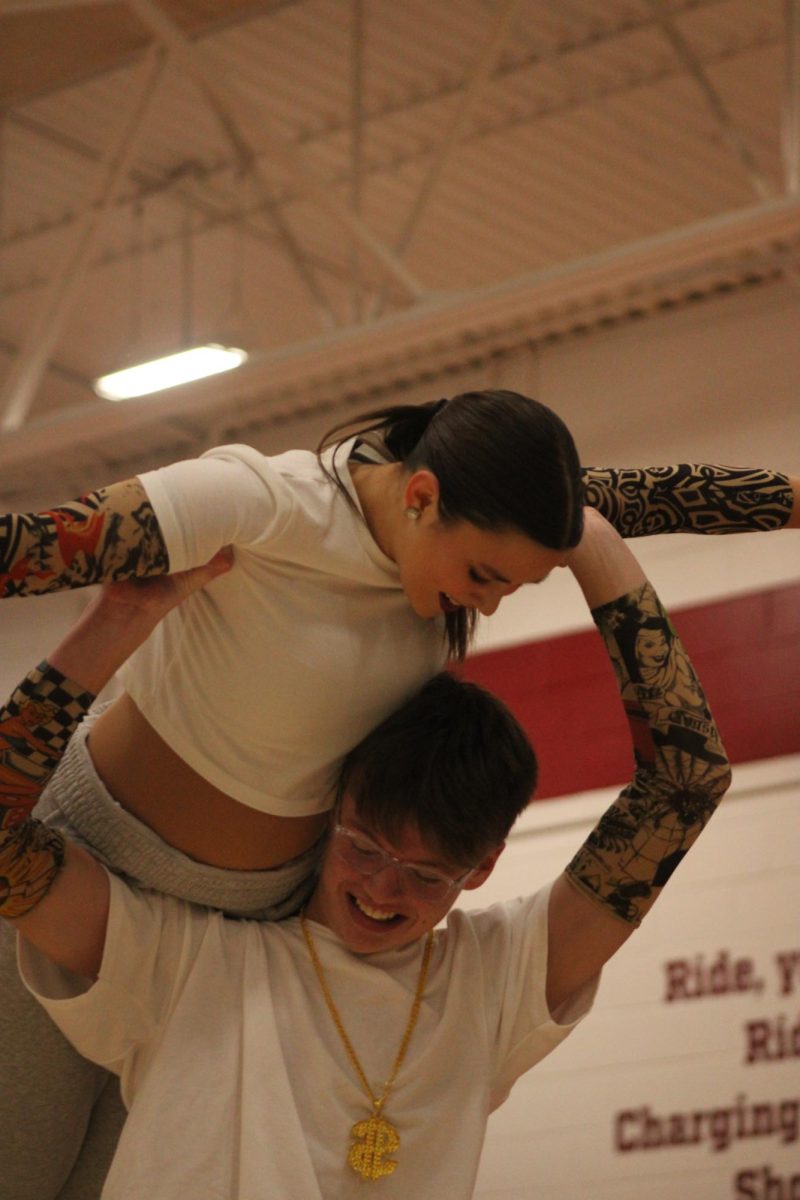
(447, 566)
(652, 650)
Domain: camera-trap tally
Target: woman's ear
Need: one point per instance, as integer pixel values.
(421, 493)
(484, 868)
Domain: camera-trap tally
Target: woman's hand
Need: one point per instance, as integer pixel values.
(121, 616)
(143, 600)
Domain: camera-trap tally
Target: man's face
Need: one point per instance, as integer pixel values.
(383, 910)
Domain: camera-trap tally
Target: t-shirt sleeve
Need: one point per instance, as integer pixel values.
(512, 941)
(150, 945)
(231, 496)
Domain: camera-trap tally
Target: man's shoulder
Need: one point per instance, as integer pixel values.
(517, 918)
(172, 940)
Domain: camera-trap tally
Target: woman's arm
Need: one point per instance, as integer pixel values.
(56, 894)
(681, 769)
(110, 534)
(693, 498)
(173, 519)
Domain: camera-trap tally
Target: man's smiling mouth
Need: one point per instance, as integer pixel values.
(375, 914)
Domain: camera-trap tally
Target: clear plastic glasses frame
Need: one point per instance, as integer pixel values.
(359, 851)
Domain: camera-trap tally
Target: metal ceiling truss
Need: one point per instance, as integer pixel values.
(582, 94)
(45, 331)
(429, 332)
(436, 335)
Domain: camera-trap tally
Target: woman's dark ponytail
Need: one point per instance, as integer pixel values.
(401, 427)
(503, 462)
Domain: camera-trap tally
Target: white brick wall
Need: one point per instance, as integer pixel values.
(739, 890)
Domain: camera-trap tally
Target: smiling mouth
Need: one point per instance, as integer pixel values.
(374, 915)
(448, 604)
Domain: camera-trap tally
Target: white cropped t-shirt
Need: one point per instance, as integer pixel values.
(265, 679)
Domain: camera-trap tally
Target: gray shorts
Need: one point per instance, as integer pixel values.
(77, 802)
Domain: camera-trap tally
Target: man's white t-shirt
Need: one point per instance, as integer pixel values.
(238, 1085)
(264, 680)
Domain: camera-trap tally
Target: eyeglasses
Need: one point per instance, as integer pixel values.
(367, 857)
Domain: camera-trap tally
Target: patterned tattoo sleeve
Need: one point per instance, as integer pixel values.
(681, 768)
(109, 534)
(689, 498)
(35, 727)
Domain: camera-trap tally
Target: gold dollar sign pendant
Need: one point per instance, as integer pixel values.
(377, 1138)
(374, 1137)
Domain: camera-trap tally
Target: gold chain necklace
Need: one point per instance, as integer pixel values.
(375, 1137)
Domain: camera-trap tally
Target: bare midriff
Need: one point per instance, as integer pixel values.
(153, 783)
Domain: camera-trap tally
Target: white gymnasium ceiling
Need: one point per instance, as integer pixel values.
(362, 192)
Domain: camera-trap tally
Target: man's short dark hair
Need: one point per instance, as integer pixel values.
(453, 761)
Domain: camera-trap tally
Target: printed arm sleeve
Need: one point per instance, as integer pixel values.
(168, 520)
(109, 534)
(55, 892)
(35, 727)
(692, 498)
(681, 773)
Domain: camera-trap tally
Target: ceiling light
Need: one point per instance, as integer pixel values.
(183, 367)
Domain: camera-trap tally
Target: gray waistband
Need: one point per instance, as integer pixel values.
(77, 801)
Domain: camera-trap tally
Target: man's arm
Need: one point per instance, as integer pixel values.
(110, 534)
(693, 498)
(681, 770)
(56, 894)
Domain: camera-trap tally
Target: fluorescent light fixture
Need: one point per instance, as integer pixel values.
(183, 367)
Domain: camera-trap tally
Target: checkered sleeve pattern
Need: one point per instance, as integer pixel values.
(56, 704)
(35, 727)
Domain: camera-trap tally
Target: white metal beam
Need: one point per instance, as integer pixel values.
(477, 81)
(28, 6)
(357, 23)
(557, 58)
(454, 324)
(791, 104)
(479, 77)
(761, 184)
(187, 190)
(249, 163)
(216, 80)
(20, 386)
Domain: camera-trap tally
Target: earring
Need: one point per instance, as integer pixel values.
(412, 513)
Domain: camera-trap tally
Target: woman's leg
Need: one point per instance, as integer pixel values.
(47, 1091)
(89, 1173)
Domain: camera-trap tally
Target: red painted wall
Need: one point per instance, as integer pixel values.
(746, 651)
